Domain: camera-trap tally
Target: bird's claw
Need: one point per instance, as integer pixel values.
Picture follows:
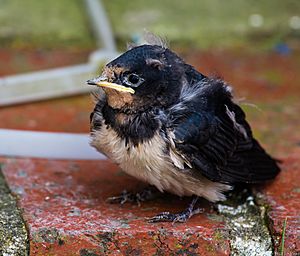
(177, 217)
(125, 197)
(128, 197)
(174, 217)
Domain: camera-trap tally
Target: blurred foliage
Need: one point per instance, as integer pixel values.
(193, 23)
(44, 23)
(207, 23)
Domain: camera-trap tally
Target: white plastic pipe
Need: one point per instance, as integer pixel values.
(17, 143)
(101, 25)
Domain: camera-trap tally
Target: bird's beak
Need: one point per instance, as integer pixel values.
(103, 82)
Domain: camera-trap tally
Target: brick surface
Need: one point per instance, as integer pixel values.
(61, 115)
(283, 200)
(66, 213)
(63, 203)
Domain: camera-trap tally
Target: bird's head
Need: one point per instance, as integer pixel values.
(143, 77)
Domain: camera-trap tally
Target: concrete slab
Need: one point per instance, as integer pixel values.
(13, 233)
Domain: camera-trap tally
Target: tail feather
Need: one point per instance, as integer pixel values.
(251, 166)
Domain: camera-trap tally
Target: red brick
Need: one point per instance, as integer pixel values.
(282, 196)
(66, 213)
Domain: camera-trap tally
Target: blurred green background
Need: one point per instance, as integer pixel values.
(192, 23)
(208, 23)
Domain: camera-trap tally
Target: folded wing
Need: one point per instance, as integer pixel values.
(211, 133)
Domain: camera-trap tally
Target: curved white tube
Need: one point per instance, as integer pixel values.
(18, 143)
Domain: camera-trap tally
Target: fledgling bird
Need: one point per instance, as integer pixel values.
(170, 126)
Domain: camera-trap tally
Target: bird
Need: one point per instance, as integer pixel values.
(167, 124)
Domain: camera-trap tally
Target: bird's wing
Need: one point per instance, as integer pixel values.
(212, 136)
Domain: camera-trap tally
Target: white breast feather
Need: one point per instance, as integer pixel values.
(149, 162)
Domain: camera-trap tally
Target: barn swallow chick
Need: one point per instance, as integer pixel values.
(168, 125)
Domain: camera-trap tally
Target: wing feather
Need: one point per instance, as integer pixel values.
(216, 139)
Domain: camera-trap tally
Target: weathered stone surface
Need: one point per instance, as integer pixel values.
(13, 234)
(245, 225)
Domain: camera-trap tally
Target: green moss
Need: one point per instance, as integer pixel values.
(218, 236)
(209, 248)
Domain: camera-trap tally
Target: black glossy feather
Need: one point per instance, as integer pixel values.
(212, 133)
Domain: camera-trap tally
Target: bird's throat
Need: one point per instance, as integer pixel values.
(117, 99)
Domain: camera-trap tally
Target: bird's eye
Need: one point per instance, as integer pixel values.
(132, 80)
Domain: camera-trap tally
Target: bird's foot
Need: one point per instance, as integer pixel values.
(127, 197)
(177, 217)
